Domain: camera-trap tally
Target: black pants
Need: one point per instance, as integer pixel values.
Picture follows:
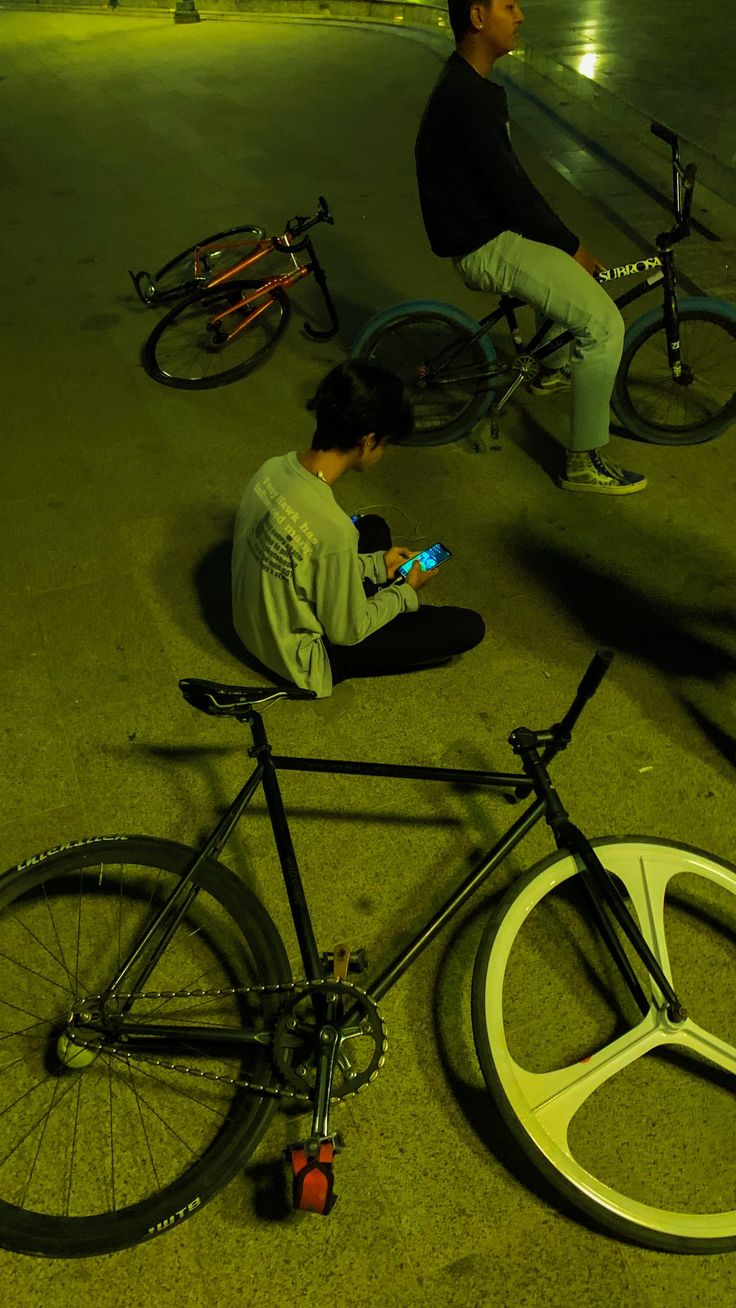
(411, 640)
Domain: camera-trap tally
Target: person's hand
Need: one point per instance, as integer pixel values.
(588, 261)
(394, 558)
(417, 577)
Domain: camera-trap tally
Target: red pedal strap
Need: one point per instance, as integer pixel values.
(314, 1178)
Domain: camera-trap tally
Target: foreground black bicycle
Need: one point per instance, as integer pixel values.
(676, 383)
(151, 1023)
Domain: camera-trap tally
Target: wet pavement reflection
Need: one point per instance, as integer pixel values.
(659, 57)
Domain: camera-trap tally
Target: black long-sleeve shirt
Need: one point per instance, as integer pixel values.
(472, 187)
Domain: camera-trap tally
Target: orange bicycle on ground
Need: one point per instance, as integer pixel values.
(220, 324)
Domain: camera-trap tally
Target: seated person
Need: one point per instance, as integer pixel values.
(311, 594)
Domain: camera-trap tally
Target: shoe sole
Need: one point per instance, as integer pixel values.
(547, 390)
(602, 490)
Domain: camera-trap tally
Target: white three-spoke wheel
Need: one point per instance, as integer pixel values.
(631, 1117)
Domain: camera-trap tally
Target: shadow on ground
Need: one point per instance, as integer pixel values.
(649, 613)
(211, 578)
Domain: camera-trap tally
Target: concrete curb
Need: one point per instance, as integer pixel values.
(533, 70)
(381, 11)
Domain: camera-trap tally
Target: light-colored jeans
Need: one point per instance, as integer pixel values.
(559, 288)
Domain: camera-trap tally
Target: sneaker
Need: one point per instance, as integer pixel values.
(589, 470)
(549, 380)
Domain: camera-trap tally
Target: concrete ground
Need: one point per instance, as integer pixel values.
(645, 59)
(132, 138)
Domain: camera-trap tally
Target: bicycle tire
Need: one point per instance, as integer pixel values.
(100, 1158)
(405, 339)
(651, 404)
(176, 279)
(536, 963)
(182, 352)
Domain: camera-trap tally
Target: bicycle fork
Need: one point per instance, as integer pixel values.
(600, 888)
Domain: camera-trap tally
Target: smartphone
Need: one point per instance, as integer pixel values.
(428, 559)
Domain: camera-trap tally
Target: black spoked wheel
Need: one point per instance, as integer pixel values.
(99, 1148)
(657, 407)
(215, 337)
(628, 1114)
(446, 373)
(187, 271)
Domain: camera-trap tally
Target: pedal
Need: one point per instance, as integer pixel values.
(337, 962)
(312, 1165)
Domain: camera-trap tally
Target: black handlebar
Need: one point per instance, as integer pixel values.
(665, 134)
(559, 735)
(594, 674)
(591, 680)
(296, 228)
(299, 224)
(683, 183)
(324, 210)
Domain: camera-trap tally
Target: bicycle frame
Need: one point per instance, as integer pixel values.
(283, 244)
(598, 885)
(255, 247)
(499, 781)
(265, 775)
(664, 272)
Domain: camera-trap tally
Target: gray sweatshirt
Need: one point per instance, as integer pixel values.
(297, 575)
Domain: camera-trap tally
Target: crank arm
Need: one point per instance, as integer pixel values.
(329, 1048)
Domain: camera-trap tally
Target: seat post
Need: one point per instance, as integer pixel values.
(255, 721)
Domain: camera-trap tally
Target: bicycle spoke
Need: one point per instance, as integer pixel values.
(216, 335)
(91, 1137)
(112, 1135)
(166, 1124)
(35, 973)
(554, 1098)
(31, 1129)
(699, 1041)
(60, 962)
(16, 1062)
(41, 1138)
(144, 1129)
(79, 935)
(39, 1021)
(448, 374)
(57, 937)
(698, 403)
(174, 1086)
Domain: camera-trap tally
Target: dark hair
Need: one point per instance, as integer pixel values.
(459, 15)
(356, 398)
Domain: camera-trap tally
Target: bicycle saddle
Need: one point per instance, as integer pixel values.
(232, 701)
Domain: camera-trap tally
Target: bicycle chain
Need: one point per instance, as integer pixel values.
(273, 1092)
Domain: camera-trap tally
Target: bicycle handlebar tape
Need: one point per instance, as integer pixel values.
(324, 211)
(592, 678)
(314, 1177)
(664, 133)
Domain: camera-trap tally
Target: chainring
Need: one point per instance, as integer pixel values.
(527, 365)
(362, 1042)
